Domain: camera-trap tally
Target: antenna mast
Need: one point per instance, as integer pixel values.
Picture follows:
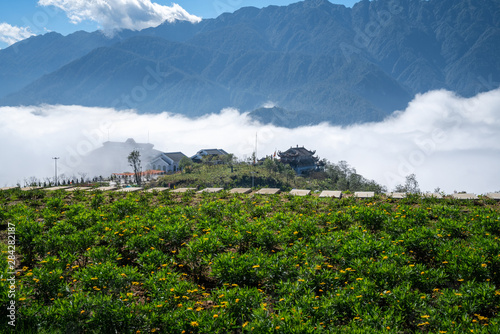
(256, 145)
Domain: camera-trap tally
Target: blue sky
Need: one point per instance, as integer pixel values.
(22, 18)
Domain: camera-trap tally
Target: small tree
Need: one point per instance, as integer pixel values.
(410, 186)
(185, 164)
(269, 164)
(134, 160)
(289, 173)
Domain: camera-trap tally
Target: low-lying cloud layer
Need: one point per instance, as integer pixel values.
(447, 141)
(12, 34)
(121, 14)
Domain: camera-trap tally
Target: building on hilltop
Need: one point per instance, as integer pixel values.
(213, 155)
(300, 159)
(112, 157)
(167, 162)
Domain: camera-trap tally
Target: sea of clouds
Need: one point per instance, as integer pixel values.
(446, 140)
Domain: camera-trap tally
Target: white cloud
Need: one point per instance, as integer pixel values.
(12, 34)
(447, 141)
(121, 14)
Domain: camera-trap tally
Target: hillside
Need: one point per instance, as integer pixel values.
(313, 59)
(218, 263)
(271, 174)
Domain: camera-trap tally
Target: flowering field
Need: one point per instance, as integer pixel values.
(221, 263)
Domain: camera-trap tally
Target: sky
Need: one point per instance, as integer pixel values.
(21, 19)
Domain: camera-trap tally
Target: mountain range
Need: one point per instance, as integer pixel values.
(309, 62)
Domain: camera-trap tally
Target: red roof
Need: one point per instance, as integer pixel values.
(148, 172)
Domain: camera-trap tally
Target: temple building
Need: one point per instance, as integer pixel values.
(300, 159)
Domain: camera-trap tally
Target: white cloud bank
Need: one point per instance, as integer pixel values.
(12, 34)
(447, 141)
(121, 14)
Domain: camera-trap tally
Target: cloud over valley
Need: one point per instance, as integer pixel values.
(447, 141)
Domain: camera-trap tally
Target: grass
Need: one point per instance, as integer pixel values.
(222, 263)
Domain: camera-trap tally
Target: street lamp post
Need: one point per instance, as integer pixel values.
(55, 162)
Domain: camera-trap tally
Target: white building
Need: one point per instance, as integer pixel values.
(167, 162)
(213, 152)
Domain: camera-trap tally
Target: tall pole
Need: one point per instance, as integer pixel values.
(256, 145)
(255, 161)
(55, 162)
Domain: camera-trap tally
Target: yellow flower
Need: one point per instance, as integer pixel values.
(216, 315)
(256, 266)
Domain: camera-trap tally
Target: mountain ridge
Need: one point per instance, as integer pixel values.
(322, 61)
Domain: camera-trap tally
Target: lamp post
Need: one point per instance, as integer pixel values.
(55, 162)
